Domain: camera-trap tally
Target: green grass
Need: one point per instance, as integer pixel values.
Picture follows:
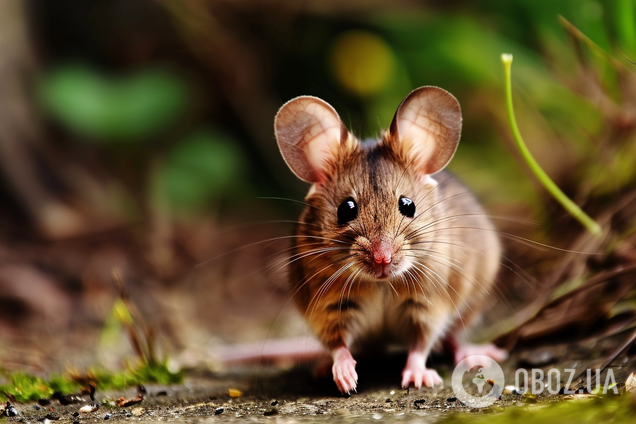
(23, 387)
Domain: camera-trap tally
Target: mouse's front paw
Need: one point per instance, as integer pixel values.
(420, 377)
(344, 371)
(416, 372)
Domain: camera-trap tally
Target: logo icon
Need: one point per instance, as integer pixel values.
(477, 381)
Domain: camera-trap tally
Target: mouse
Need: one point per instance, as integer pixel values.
(390, 247)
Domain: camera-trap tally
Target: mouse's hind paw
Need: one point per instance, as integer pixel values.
(467, 350)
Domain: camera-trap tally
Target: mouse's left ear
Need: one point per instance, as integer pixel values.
(309, 134)
(426, 129)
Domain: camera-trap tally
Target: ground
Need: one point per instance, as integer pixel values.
(295, 395)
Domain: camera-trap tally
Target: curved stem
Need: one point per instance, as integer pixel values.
(554, 190)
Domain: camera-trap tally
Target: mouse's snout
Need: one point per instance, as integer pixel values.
(378, 256)
(381, 251)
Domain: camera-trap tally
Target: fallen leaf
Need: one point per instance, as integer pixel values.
(123, 402)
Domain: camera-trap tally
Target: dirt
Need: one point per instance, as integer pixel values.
(293, 395)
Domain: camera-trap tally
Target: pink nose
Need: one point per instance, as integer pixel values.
(382, 259)
(381, 251)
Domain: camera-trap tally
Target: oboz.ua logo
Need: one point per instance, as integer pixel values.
(477, 381)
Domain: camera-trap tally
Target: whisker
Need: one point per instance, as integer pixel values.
(288, 200)
(270, 240)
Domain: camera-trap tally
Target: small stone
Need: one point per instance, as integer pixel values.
(234, 393)
(138, 411)
(219, 411)
(511, 390)
(274, 403)
(342, 411)
(89, 408)
(37, 407)
(10, 411)
(271, 412)
(419, 402)
(107, 417)
(451, 399)
(75, 414)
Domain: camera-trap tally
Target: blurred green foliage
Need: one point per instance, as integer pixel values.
(128, 108)
(363, 64)
(199, 169)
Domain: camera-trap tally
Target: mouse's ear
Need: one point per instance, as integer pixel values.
(309, 131)
(426, 128)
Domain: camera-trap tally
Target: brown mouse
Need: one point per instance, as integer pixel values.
(390, 247)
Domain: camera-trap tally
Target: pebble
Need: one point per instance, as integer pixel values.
(511, 390)
(107, 417)
(234, 393)
(219, 411)
(451, 399)
(10, 411)
(89, 408)
(138, 411)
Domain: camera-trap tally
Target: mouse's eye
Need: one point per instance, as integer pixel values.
(407, 207)
(347, 211)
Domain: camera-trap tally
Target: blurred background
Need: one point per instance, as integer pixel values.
(136, 136)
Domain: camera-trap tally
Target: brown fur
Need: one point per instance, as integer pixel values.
(416, 311)
(384, 276)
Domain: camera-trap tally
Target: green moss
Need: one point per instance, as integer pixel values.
(147, 373)
(25, 388)
(605, 409)
(28, 388)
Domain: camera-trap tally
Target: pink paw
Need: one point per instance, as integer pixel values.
(344, 370)
(422, 377)
(467, 350)
(416, 372)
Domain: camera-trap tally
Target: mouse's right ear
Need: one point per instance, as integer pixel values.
(426, 129)
(309, 132)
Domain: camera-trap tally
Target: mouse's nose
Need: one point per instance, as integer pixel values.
(381, 251)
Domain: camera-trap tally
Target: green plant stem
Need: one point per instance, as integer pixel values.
(554, 190)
